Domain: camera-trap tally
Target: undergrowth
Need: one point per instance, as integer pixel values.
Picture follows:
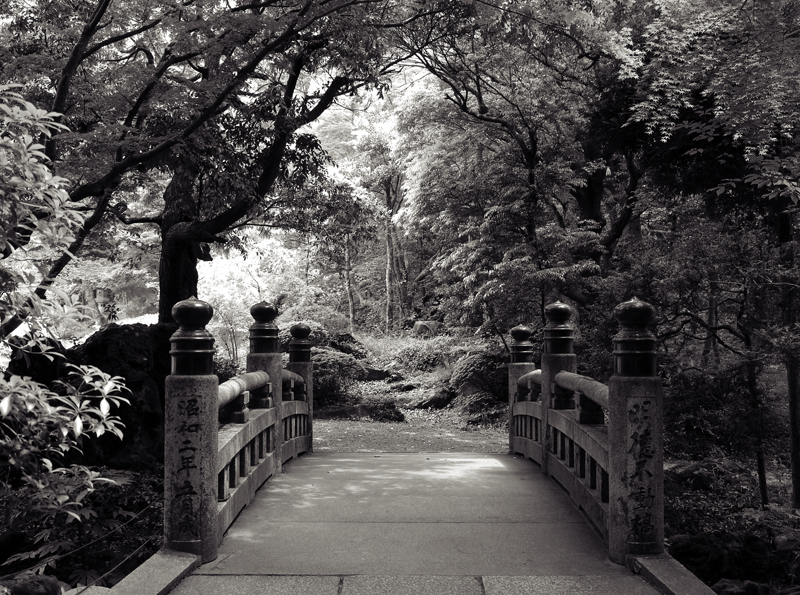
(120, 526)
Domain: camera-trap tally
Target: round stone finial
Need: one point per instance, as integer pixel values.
(558, 334)
(300, 331)
(264, 332)
(521, 346)
(264, 312)
(300, 345)
(635, 346)
(635, 314)
(192, 314)
(521, 333)
(192, 351)
(558, 313)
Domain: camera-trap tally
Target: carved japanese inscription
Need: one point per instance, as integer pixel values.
(187, 479)
(641, 461)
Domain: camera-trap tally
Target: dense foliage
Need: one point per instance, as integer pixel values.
(41, 426)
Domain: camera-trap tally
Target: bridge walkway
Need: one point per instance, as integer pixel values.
(403, 524)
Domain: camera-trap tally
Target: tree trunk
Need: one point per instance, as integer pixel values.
(752, 387)
(793, 381)
(348, 285)
(389, 268)
(711, 345)
(627, 202)
(789, 318)
(401, 275)
(177, 269)
(759, 430)
(590, 196)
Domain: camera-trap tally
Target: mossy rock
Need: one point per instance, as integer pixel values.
(481, 372)
(347, 343)
(480, 408)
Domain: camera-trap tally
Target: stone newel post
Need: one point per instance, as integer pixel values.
(265, 354)
(521, 363)
(300, 363)
(557, 356)
(190, 444)
(636, 440)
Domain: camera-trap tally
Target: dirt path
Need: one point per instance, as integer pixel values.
(424, 431)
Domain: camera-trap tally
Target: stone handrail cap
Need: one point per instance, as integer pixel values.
(264, 312)
(558, 313)
(521, 333)
(635, 314)
(192, 314)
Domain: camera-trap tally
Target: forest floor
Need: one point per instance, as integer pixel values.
(424, 430)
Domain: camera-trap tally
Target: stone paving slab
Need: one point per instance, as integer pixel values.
(411, 548)
(566, 585)
(410, 514)
(258, 585)
(411, 585)
(414, 585)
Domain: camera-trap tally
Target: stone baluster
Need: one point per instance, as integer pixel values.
(636, 441)
(287, 389)
(300, 363)
(241, 411)
(190, 443)
(557, 356)
(521, 363)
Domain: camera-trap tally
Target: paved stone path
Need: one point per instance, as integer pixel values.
(411, 524)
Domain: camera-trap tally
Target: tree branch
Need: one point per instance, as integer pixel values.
(118, 211)
(71, 67)
(713, 329)
(120, 37)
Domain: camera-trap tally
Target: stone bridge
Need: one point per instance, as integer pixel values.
(576, 506)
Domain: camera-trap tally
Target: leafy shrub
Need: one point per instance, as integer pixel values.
(334, 373)
(709, 412)
(425, 355)
(120, 522)
(40, 426)
(225, 368)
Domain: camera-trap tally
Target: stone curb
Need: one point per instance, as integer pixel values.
(668, 575)
(158, 575)
(164, 570)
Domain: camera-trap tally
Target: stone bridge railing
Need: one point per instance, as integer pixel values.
(603, 444)
(222, 442)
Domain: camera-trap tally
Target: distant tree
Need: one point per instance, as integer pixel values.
(339, 237)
